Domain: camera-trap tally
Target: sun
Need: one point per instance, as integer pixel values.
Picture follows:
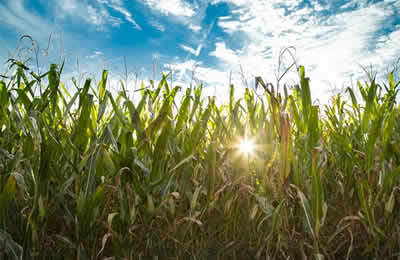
(246, 146)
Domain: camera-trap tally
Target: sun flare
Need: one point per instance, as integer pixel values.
(246, 146)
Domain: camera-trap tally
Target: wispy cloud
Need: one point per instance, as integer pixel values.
(20, 20)
(194, 27)
(216, 81)
(96, 13)
(171, 7)
(189, 14)
(159, 26)
(117, 5)
(95, 55)
(199, 47)
(89, 13)
(188, 49)
(330, 45)
(15, 15)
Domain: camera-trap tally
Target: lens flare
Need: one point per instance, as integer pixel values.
(246, 146)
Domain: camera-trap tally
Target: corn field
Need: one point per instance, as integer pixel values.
(86, 174)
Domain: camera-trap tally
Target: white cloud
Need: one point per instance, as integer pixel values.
(387, 51)
(18, 17)
(173, 7)
(157, 25)
(348, 5)
(191, 68)
(127, 15)
(225, 54)
(117, 5)
(215, 81)
(317, 6)
(229, 26)
(188, 49)
(223, 18)
(15, 13)
(204, 38)
(194, 27)
(348, 43)
(188, 65)
(330, 47)
(96, 15)
(95, 55)
(181, 11)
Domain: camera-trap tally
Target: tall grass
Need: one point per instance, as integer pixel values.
(91, 175)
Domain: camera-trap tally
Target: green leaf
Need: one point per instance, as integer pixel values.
(102, 85)
(11, 248)
(7, 196)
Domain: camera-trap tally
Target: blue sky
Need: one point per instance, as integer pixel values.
(219, 40)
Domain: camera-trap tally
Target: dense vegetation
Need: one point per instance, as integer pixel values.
(86, 174)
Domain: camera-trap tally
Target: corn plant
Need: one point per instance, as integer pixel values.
(88, 173)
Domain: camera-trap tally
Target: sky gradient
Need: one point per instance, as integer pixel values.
(222, 41)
